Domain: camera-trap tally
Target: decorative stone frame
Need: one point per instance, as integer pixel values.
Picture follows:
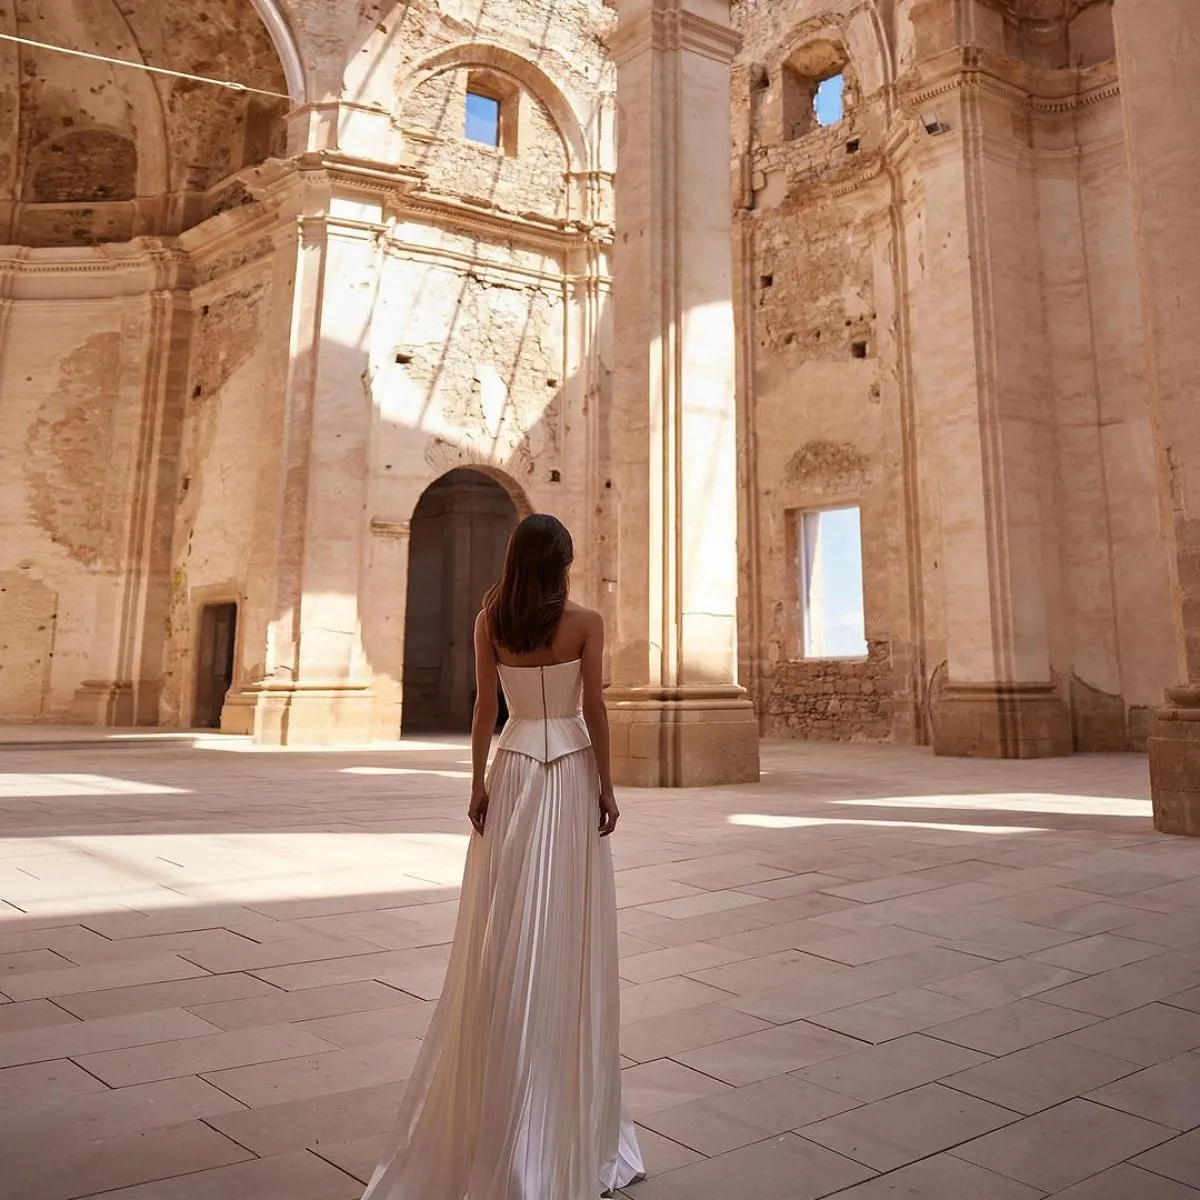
(200, 598)
(512, 100)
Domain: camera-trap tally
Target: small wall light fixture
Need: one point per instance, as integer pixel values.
(933, 124)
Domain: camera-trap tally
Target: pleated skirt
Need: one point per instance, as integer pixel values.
(517, 1092)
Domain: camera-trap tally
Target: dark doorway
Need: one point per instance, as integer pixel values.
(214, 663)
(460, 529)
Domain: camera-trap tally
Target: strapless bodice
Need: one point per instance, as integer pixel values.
(545, 715)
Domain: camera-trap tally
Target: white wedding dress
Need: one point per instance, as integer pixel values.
(517, 1091)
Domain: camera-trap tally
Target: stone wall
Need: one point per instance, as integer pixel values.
(831, 700)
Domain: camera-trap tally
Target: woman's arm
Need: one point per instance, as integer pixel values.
(483, 724)
(596, 715)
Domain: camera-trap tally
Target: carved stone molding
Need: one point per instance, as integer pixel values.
(666, 27)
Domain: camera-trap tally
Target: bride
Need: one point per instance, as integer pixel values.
(517, 1091)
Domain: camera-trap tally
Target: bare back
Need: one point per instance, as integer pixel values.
(569, 643)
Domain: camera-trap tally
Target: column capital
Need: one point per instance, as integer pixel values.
(671, 25)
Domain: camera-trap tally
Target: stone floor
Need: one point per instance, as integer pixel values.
(877, 974)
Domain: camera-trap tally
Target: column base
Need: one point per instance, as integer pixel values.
(682, 737)
(302, 715)
(1174, 747)
(1001, 720)
(115, 705)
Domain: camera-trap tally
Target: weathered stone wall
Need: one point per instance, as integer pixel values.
(229, 420)
(831, 700)
(67, 444)
(527, 173)
(896, 284)
(820, 343)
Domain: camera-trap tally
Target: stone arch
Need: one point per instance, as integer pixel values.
(286, 47)
(457, 539)
(492, 55)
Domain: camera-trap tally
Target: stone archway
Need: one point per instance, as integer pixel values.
(459, 532)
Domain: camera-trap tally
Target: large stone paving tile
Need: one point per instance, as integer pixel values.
(32, 1014)
(108, 1164)
(192, 1056)
(644, 1001)
(654, 1086)
(382, 966)
(113, 1112)
(44, 1083)
(895, 1015)
(288, 1177)
(1177, 1159)
(383, 1024)
(314, 1123)
(1011, 1026)
(151, 997)
(660, 1154)
(894, 1132)
(1102, 952)
(674, 1033)
(675, 960)
(881, 1071)
(769, 1052)
(273, 1007)
(1128, 1183)
(68, 981)
(735, 1118)
(1114, 992)
(788, 968)
(1063, 1145)
(90, 1037)
(1040, 1076)
(706, 902)
(1146, 1036)
(319, 1074)
(942, 1177)
(781, 1168)
(28, 962)
(1168, 1093)
(1003, 982)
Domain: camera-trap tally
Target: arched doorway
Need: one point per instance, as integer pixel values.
(460, 528)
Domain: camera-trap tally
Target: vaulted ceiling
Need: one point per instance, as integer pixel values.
(80, 137)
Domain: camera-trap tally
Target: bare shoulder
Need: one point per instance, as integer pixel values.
(587, 620)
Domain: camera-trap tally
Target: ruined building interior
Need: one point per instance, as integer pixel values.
(281, 365)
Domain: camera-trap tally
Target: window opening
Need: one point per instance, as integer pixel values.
(830, 100)
(483, 119)
(831, 583)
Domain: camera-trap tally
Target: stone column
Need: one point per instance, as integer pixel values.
(982, 432)
(1158, 50)
(679, 716)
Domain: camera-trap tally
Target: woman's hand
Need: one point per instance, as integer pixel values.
(610, 814)
(479, 806)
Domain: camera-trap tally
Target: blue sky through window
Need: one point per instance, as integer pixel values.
(833, 584)
(483, 119)
(830, 102)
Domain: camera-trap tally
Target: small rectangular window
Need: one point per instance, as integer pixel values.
(829, 545)
(483, 119)
(830, 100)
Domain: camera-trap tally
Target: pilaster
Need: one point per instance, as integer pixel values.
(679, 716)
(1158, 47)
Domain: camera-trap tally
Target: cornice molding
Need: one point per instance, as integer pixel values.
(666, 28)
(1038, 91)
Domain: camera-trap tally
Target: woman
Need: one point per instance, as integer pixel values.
(517, 1092)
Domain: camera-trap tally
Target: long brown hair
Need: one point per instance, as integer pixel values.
(525, 607)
